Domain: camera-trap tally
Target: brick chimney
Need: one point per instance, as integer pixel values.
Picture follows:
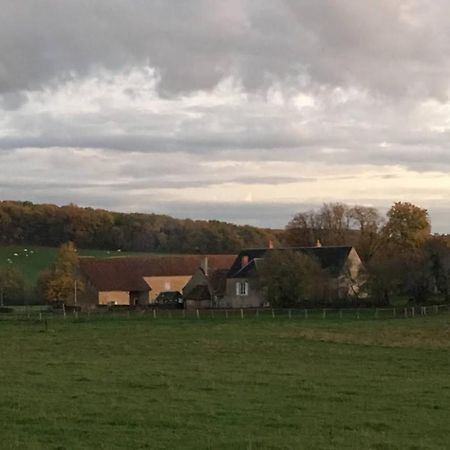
(244, 261)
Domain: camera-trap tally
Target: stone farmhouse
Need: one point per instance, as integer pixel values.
(139, 281)
(204, 281)
(342, 264)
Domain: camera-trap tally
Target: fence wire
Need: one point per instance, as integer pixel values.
(31, 314)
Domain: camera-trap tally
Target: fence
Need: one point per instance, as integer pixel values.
(232, 314)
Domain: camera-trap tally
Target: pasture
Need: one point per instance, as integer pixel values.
(32, 259)
(115, 383)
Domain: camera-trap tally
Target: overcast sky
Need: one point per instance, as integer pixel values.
(245, 111)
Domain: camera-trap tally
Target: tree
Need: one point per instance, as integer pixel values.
(337, 224)
(288, 278)
(437, 248)
(368, 221)
(407, 274)
(407, 228)
(12, 285)
(330, 225)
(60, 282)
(301, 229)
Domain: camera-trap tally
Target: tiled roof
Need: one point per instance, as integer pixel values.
(331, 258)
(115, 274)
(126, 273)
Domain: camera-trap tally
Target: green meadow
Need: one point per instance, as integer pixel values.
(32, 259)
(140, 383)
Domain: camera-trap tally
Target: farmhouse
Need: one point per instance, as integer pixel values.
(141, 280)
(207, 287)
(341, 263)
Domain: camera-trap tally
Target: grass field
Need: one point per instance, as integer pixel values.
(215, 384)
(36, 259)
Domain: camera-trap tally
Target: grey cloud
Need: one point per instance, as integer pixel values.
(369, 67)
(376, 45)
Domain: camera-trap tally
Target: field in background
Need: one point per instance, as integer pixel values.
(34, 259)
(215, 384)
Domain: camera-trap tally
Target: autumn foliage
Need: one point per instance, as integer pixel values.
(59, 282)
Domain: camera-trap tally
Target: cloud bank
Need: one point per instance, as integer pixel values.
(243, 111)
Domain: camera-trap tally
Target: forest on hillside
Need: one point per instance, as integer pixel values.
(401, 256)
(51, 225)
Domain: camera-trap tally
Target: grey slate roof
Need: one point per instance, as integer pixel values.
(331, 258)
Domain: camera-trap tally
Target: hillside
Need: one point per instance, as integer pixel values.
(31, 260)
(26, 224)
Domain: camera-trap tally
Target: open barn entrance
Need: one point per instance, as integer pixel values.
(138, 298)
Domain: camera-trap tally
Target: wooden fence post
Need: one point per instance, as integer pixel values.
(413, 310)
(376, 313)
(64, 310)
(226, 314)
(290, 314)
(154, 313)
(198, 313)
(184, 314)
(324, 313)
(406, 312)
(242, 314)
(40, 316)
(306, 313)
(340, 314)
(394, 312)
(273, 313)
(257, 312)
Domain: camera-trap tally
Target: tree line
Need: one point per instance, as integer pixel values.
(51, 225)
(403, 259)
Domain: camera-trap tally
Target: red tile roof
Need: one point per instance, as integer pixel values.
(126, 273)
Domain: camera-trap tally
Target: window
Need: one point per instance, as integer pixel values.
(242, 288)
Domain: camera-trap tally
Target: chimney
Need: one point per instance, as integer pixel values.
(205, 265)
(270, 243)
(318, 243)
(244, 261)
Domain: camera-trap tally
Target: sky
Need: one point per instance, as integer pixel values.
(246, 111)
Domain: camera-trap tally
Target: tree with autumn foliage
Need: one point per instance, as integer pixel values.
(59, 282)
(288, 278)
(407, 228)
(406, 265)
(12, 285)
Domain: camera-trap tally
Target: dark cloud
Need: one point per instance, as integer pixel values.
(377, 45)
(137, 104)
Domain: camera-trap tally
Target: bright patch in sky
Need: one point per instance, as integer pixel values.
(246, 112)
